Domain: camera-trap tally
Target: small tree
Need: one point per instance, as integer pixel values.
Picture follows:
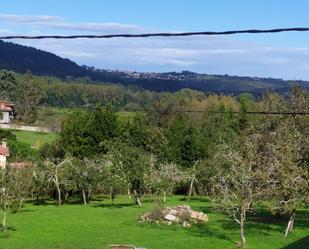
(238, 181)
(5, 199)
(286, 171)
(163, 178)
(55, 174)
(113, 176)
(21, 184)
(135, 163)
(191, 177)
(83, 175)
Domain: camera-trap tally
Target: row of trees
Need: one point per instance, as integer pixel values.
(242, 161)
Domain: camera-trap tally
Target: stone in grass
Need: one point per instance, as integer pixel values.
(121, 247)
(186, 207)
(172, 218)
(182, 215)
(199, 216)
(186, 224)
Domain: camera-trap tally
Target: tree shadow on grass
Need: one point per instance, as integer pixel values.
(7, 236)
(194, 199)
(264, 223)
(267, 221)
(112, 206)
(300, 244)
(24, 210)
(204, 230)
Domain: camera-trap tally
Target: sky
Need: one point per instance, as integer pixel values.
(284, 55)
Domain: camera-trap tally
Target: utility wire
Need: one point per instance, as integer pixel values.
(205, 33)
(237, 112)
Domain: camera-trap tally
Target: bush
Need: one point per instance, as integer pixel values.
(22, 152)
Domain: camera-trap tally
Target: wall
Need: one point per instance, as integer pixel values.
(27, 128)
(2, 162)
(5, 118)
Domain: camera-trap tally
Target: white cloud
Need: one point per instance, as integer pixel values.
(28, 18)
(218, 55)
(59, 23)
(111, 27)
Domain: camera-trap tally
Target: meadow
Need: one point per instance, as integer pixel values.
(100, 224)
(35, 139)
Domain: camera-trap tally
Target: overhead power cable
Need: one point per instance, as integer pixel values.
(237, 112)
(179, 34)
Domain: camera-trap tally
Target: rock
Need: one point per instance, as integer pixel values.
(186, 207)
(171, 217)
(199, 216)
(166, 211)
(182, 214)
(186, 224)
(194, 215)
(142, 218)
(146, 216)
(173, 212)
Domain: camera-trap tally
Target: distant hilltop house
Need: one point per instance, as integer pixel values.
(7, 110)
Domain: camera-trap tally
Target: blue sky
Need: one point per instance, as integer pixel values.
(280, 55)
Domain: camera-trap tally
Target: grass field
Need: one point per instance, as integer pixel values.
(100, 224)
(53, 116)
(34, 138)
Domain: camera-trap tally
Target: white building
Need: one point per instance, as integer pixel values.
(4, 153)
(7, 111)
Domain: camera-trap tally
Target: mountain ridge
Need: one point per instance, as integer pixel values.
(21, 58)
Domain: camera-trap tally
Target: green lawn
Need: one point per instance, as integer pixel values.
(53, 116)
(99, 224)
(34, 138)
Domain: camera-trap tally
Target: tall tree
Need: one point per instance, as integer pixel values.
(28, 99)
(85, 133)
(8, 86)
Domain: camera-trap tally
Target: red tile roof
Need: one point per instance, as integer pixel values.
(6, 106)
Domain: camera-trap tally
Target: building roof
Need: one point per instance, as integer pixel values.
(4, 151)
(6, 106)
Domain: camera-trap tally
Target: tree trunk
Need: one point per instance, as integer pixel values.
(190, 189)
(58, 191)
(4, 225)
(137, 198)
(89, 194)
(20, 204)
(84, 197)
(113, 195)
(66, 196)
(242, 231)
(129, 194)
(290, 226)
(164, 196)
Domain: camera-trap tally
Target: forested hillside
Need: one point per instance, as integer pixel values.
(21, 59)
